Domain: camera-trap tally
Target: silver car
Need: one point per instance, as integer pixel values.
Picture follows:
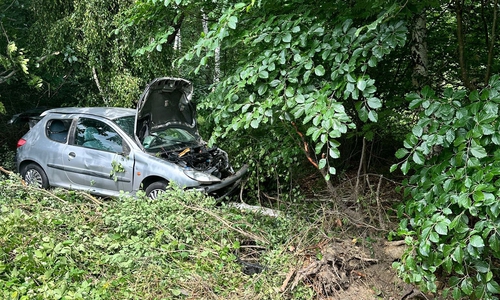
(105, 150)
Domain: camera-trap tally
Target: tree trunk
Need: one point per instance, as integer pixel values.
(461, 45)
(491, 43)
(216, 77)
(419, 51)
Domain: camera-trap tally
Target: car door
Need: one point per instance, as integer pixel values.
(96, 160)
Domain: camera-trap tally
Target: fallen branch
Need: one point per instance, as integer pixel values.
(5, 171)
(247, 234)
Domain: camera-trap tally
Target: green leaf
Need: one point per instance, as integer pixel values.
(494, 242)
(458, 254)
(405, 167)
(255, 123)
(442, 228)
(476, 241)
(373, 116)
(240, 5)
(418, 158)
(322, 163)
(481, 266)
(493, 287)
(467, 286)
(374, 102)
(417, 130)
(232, 22)
(361, 84)
(299, 98)
(319, 70)
(263, 74)
(402, 152)
(477, 150)
(290, 91)
(287, 38)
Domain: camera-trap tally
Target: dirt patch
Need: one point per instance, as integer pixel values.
(347, 270)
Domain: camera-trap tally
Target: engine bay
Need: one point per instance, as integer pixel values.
(212, 160)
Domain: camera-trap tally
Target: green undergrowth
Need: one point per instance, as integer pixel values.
(60, 244)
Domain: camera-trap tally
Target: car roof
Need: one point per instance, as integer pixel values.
(105, 112)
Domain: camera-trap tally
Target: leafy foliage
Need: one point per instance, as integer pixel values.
(298, 69)
(64, 244)
(453, 209)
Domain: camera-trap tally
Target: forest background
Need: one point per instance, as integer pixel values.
(312, 94)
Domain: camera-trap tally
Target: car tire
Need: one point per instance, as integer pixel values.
(155, 189)
(34, 175)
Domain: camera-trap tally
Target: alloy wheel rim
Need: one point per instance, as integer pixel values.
(155, 193)
(33, 178)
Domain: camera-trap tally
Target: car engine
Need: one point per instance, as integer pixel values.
(213, 160)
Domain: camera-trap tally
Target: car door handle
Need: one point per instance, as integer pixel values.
(71, 155)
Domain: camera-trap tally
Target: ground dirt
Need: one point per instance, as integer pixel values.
(357, 263)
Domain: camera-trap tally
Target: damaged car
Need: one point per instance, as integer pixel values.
(106, 150)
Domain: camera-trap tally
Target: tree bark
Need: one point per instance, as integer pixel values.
(96, 79)
(216, 77)
(419, 51)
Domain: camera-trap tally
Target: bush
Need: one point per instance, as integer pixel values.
(64, 244)
(452, 209)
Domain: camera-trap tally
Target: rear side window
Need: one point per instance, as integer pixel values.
(57, 129)
(91, 133)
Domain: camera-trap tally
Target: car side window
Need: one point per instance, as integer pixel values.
(57, 129)
(91, 133)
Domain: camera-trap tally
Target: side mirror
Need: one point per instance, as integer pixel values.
(126, 149)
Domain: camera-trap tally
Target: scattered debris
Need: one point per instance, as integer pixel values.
(259, 209)
(341, 262)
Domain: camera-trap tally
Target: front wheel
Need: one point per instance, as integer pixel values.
(154, 190)
(34, 175)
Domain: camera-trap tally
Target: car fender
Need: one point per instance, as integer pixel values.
(147, 165)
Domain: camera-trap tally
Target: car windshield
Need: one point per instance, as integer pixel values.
(127, 124)
(168, 138)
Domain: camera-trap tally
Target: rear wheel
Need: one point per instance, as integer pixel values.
(154, 190)
(34, 175)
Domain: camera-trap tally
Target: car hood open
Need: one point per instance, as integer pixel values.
(166, 102)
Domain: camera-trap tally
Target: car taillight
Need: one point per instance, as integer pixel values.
(21, 142)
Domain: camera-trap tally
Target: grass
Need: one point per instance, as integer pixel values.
(62, 244)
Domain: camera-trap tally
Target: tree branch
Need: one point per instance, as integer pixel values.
(4, 78)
